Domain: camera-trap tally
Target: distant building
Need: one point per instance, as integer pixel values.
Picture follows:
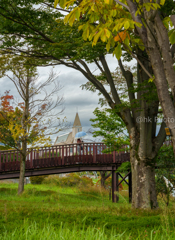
(69, 138)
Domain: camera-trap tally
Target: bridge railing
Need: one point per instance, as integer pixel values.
(60, 155)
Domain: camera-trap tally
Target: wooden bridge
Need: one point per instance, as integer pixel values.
(64, 159)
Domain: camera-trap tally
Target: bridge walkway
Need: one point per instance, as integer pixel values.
(63, 159)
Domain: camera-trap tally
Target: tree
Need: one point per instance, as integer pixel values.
(33, 120)
(144, 145)
(53, 43)
(133, 23)
(112, 129)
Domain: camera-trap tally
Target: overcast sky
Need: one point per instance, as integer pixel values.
(74, 97)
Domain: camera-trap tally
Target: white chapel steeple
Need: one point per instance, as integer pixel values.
(76, 126)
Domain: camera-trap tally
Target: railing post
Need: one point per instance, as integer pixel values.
(0, 162)
(31, 159)
(63, 155)
(94, 153)
(113, 156)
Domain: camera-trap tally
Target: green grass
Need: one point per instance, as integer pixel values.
(51, 212)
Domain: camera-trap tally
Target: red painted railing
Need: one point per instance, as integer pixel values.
(60, 155)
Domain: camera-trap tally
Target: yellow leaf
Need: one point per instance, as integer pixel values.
(96, 37)
(56, 3)
(92, 7)
(77, 14)
(71, 19)
(162, 2)
(107, 1)
(80, 27)
(107, 33)
(103, 37)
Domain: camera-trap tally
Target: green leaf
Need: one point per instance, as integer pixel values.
(172, 37)
(151, 79)
(148, 7)
(124, 167)
(126, 25)
(108, 45)
(77, 14)
(166, 22)
(126, 41)
(118, 51)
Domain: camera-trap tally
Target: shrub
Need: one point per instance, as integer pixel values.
(52, 179)
(70, 180)
(85, 181)
(37, 179)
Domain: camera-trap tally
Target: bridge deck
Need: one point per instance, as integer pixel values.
(59, 159)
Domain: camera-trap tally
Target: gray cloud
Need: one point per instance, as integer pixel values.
(74, 97)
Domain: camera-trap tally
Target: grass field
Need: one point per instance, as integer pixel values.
(51, 212)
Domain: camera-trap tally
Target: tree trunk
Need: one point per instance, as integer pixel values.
(21, 176)
(24, 140)
(143, 177)
(102, 173)
(162, 90)
(143, 185)
(104, 177)
(152, 186)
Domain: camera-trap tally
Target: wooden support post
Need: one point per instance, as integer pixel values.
(115, 187)
(113, 156)
(62, 155)
(130, 187)
(31, 159)
(0, 162)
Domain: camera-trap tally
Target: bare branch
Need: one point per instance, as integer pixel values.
(122, 4)
(60, 9)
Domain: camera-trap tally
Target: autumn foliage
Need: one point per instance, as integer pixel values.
(5, 102)
(7, 114)
(11, 127)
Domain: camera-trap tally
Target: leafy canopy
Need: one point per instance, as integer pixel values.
(110, 22)
(111, 128)
(12, 129)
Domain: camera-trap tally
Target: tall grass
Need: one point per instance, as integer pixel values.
(49, 232)
(74, 213)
